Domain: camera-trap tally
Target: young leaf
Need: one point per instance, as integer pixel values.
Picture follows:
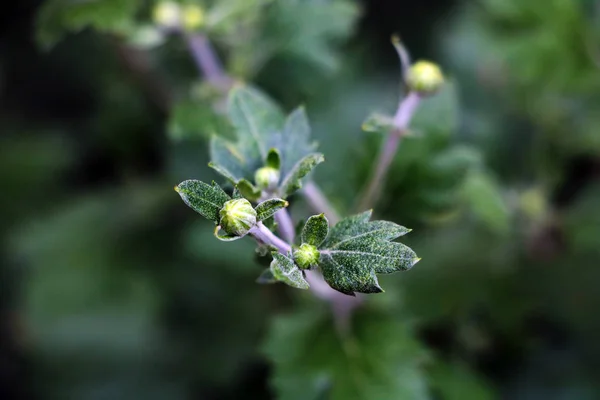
(356, 250)
(315, 230)
(248, 190)
(205, 199)
(273, 159)
(284, 270)
(268, 208)
(378, 123)
(293, 181)
(256, 120)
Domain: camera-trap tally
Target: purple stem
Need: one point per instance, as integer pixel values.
(285, 225)
(405, 112)
(319, 202)
(207, 60)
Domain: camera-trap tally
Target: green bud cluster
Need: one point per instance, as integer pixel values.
(306, 256)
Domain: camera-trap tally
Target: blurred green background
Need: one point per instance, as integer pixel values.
(112, 289)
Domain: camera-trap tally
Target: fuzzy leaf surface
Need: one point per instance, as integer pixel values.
(293, 181)
(315, 230)
(357, 249)
(268, 208)
(284, 270)
(207, 200)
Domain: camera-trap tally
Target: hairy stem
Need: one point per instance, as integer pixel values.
(263, 234)
(285, 225)
(406, 109)
(319, 202)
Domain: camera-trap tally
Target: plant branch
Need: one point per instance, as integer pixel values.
(285, 225)
(319, 202)
(207, 61)
(404, 114)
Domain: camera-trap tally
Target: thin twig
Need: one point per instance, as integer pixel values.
(404, 114)
(208, 62)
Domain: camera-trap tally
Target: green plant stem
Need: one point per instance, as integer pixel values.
(406, 109)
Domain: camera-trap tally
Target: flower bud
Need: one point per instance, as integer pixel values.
(306, 256)
(193, 17)
(167, 14)
(425, 78)
(237, 217)
(266, 178)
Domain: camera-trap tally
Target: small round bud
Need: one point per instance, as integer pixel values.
(266, 178)
(237, 217)
(306, 256)
(425, 78)
(193, 17)
(167, 14)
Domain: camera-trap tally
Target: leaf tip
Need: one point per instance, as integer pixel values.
(415, 260)
(176, 188)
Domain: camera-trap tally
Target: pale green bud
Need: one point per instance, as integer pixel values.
(266, 178)
(237, 217)
(167, 14)
(193, 17)
(306, 256)
(425, 78)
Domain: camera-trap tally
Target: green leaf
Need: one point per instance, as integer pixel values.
(273, 159)
(295, 144)
(311, 361)
(356, 250)
(315, 230)
(456, 382)
(248, 190)
(378, 123)
(266, 277)
(58, 17)
(483, 195)
(205, 199)
(268, 208)
(284, 270)
(264, 138)
(293, 181)
(225, 237)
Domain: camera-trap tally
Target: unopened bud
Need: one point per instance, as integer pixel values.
(167, 14)
(306, 256)
(237, 217)
(266, 178)
(425, 78)
(193, 17)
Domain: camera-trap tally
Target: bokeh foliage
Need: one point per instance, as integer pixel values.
(112, 289)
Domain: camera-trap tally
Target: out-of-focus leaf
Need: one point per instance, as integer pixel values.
(261, 128)
(455, 382)
(484, 197)
(379, 360)
(58, 17)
